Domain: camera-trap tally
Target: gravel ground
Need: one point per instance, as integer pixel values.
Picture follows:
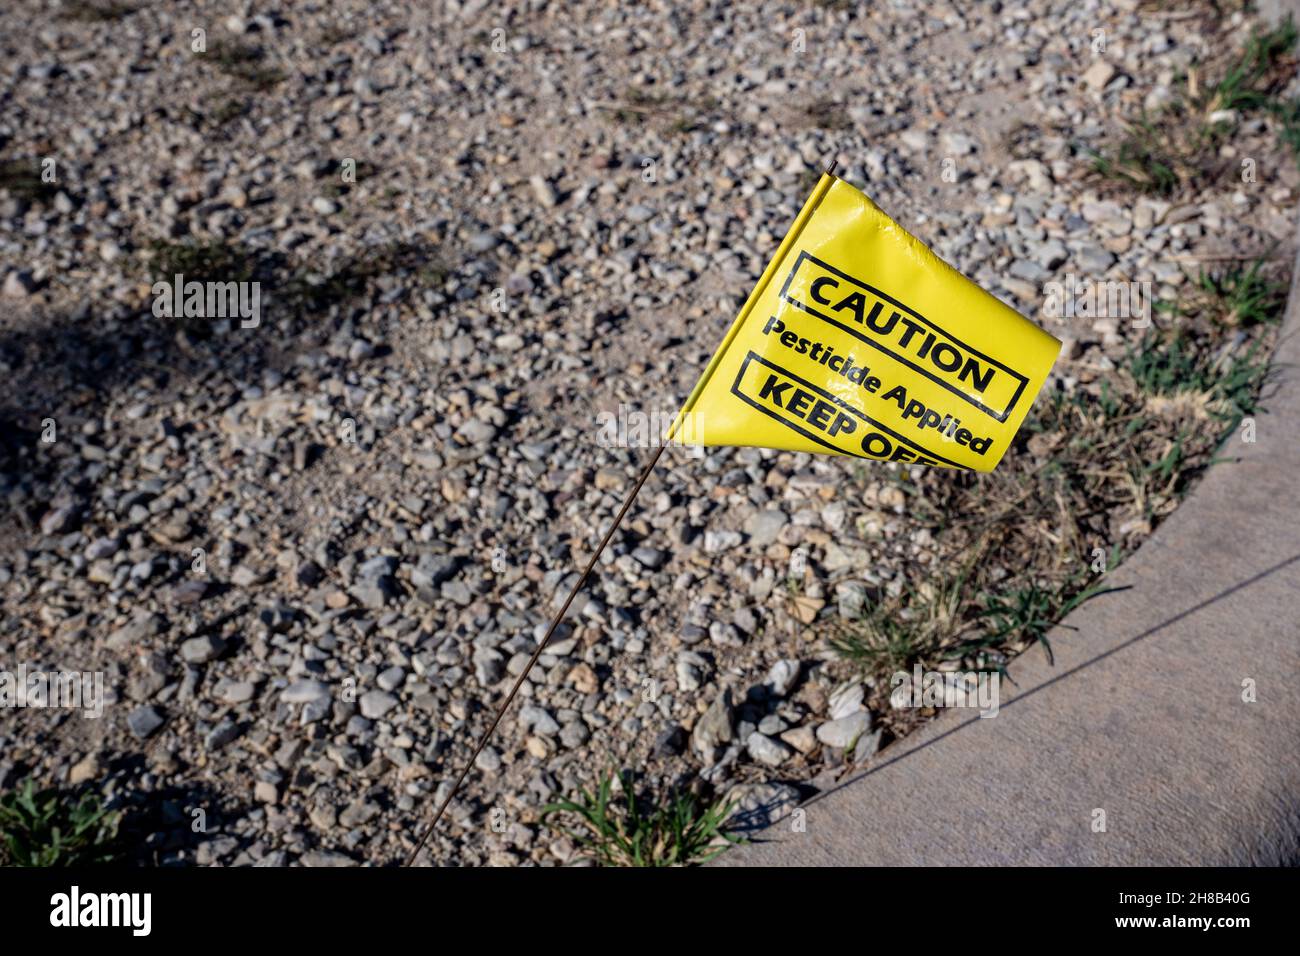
(391, 479)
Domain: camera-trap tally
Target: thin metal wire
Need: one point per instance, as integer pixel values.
(550, 632)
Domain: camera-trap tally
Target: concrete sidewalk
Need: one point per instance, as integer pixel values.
(1141, 716)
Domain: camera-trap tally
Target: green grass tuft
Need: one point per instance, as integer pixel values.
(1252, 82)
(1161, 153)
(1143, 160)
(1168, 365)
(1243, 295)
(681, 831)
(49, 828)
(1027, 612)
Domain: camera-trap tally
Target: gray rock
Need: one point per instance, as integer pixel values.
(543, 191)
(305, 692)
(651, 558)
(1050, 254)
(61, 520)
(1094, 260)
(574, 734)
(850, 599)
(136, 632)
(144, 720)
(190, 591)
(714, 728)
(457, 591)
(200, 650)
(868, 744)
(358, 813)
(772, 725)
(763, 527)
(1028, 270)
(477, 432)
(222, 734)
(235, 692)
(374, 583)
(489, 666)
(484, 241)
(375, 703)
(376, 569)
(101, 548)
(692, 634)
(538, 720)
(432, 569)
(691, 670)
(715, 542)
(956, 144)
(318, 858)
(767, 751)
(781, 677)
(846, 700)
(844, 731)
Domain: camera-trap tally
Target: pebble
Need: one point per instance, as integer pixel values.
(844, 731)
(543, 192)
(802, 739)
(715, 542)
(714, 728)
(1099, 74)
(144, 720)
(87, 768)
(767, 751)
(375, 704)
(305, 692)
(200, 650)
(538, 720)
(574, 734)
(847, 700)
(781, 677)
(18, 285)
(61, 520)
(763, 527)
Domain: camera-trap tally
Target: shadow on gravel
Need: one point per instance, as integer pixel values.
(65, 370)
(158, 826)
(61, 377)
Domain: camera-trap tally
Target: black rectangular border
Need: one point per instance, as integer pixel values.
(873, 343)
(755, 357)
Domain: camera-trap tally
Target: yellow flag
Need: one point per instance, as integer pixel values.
(858, 340)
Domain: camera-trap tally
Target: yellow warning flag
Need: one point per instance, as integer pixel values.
(858, 340)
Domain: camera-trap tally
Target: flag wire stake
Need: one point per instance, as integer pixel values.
(550, 632)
